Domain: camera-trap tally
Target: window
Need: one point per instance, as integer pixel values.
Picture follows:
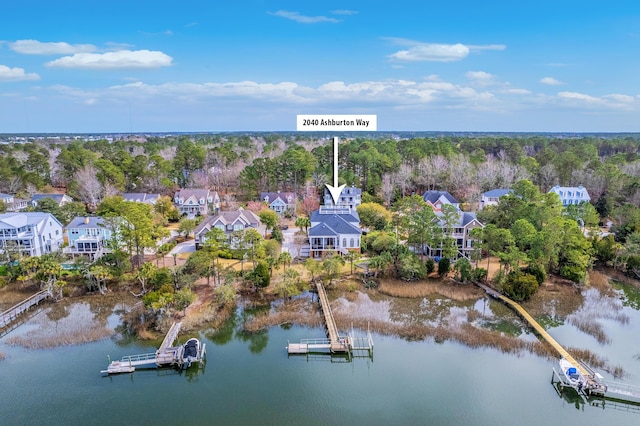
(344, 242)
(238, 227)
(351, 243)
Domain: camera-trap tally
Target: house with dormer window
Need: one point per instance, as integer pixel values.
(196, 202)
(571, 194)
(280, 202)
(12, 203)
(141, 197)
(229, 222)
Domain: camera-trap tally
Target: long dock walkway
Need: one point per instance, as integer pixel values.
(11, 314)
(537, 328)
(337, 344)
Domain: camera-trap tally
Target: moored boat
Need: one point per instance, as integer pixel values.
(191, 351)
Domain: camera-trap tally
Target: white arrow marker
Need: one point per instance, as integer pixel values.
(335, 190)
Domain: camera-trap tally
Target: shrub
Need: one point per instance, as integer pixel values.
(444, 266)
(431, 265)
(479, 274)
(520, 286)
(537, 271)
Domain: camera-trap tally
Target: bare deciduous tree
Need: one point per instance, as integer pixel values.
(90, 189)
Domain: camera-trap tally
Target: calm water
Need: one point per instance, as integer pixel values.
(251, 380)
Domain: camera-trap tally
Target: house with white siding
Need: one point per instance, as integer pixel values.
(571, 194)
(31, 234)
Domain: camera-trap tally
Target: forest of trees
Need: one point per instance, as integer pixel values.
(536, 233)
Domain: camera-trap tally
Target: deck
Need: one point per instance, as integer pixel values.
(335, 343)
(11, 314)
(166, 355)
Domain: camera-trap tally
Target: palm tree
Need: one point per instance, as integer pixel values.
(284, 259)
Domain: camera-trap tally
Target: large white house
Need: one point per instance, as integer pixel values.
(571, 194)
(31, 234)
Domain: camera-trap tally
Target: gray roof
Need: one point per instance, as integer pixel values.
(464, 218)
(17, 220)
(55, 197)
(86, 222)
(226, 217)
(140, 197)
(272, 196)
(497, 193)
(333, 224)
(433, 196)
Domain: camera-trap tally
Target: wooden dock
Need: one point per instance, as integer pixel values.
(335, 343)
(166, 355)
(338, 344)
(11, 314)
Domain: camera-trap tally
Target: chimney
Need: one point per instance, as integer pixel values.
(86, 220)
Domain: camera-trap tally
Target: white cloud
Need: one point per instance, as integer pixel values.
(480, 78)
(611, 101)
(437, 52)
(515, 91)
(302, 19)
(35, 47)
(550, 81)
(344, 12)
(432, 52)
(16, 74)
(123, 59)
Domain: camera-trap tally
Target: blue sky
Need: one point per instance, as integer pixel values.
(209, 65)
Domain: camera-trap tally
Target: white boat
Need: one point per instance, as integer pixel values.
(589, 385)
(572, 374)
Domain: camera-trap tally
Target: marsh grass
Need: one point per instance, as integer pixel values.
(399, 288)
(298, 311)
(597, 305)
(78, 326)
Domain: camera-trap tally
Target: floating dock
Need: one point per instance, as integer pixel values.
(12, 314)
(335, 343)
(167, 355)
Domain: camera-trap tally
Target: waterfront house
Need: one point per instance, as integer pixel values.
(31, 234)
(87, 236)
(334, 230)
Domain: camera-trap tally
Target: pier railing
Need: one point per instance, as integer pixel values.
(13, 312)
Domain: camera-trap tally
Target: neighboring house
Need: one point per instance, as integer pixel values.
(34, 234)
(490, 198)
(141, 197)
(87, 236)
(350, 196)
(13, 204)
(280, 202)
(571, 194)
(193, 202)
(229, 222)
(437, 198)
(60, 199)
(465, 244)
(333, 230)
